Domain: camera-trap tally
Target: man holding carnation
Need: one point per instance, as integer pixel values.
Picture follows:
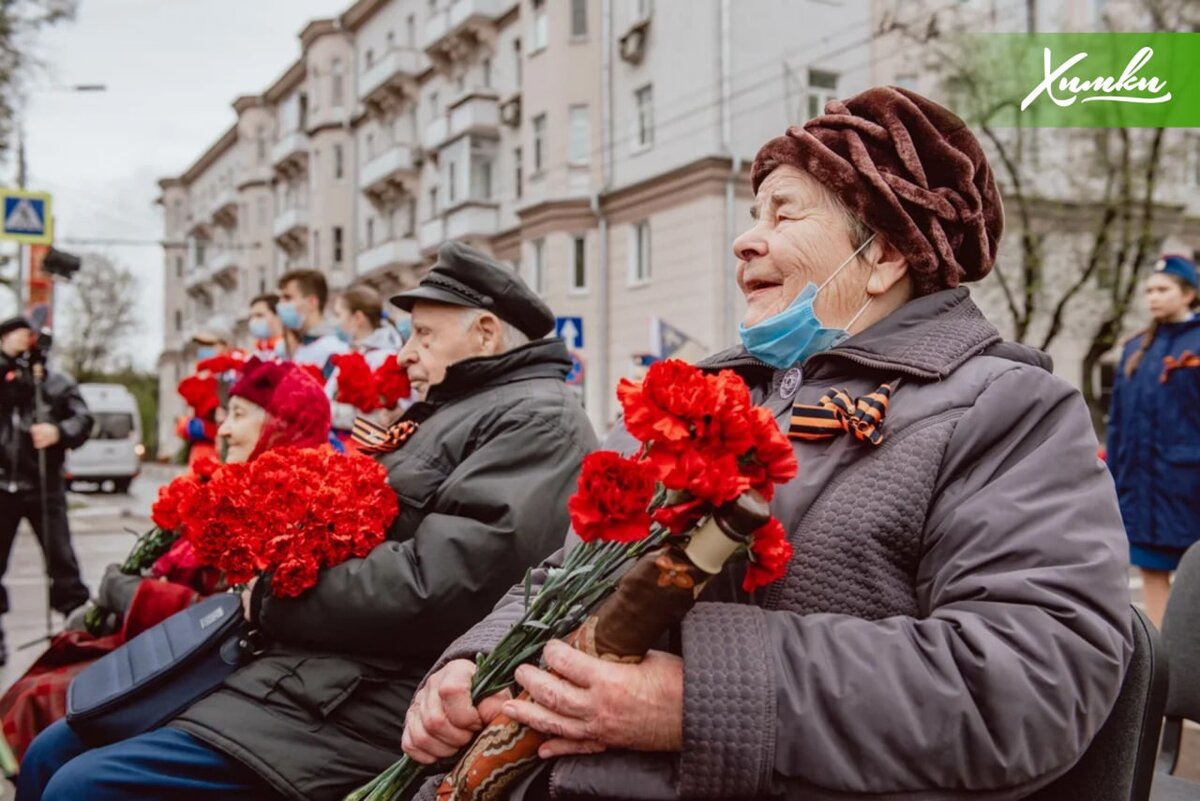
(482, 468)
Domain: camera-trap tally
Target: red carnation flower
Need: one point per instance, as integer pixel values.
(772, 460)
(664, 408)
(680, 518)
(392, 379)
(770, 553)
(200, 393)
(613, 498)
(355, 383)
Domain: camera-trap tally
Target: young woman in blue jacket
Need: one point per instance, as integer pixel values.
(1154, 430)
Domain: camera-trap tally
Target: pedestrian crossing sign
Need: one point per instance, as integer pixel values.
(25, 217)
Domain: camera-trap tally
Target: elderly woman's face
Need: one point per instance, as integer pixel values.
(798, 236)
(241, 429)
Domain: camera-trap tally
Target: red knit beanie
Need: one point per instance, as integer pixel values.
(908, 168)
(297, 407)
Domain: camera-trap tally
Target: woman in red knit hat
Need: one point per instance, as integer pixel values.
(273, 405)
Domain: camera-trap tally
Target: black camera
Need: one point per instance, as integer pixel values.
(39, 348)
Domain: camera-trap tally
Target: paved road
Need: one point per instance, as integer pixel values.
(104, 527)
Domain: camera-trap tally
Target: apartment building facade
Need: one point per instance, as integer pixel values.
(599, 147)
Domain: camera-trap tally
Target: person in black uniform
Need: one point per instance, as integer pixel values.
(66, 424)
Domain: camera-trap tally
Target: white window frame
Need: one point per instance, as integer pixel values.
(537, 278)
(337, 90)
(578, 264)
(819, 92)
(539, 28)
(643, 121)
(539, 125)
(640, 267)
(579, 136)
(579, 13)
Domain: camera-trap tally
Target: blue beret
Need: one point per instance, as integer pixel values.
(1181, 266)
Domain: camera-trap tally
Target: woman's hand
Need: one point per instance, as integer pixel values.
(592, 704)
(247, 594)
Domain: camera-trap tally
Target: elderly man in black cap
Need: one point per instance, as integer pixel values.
(483, 467)
(24, 492)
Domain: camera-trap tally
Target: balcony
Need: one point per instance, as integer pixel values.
(477, 112)
(437, 131)
(225, 268)
(432, 234)
(291, 229)
(399, 252)
(197, 281)
(472, 219)
(258, 174)
(290, 153)
(224, 208)
(392, 78)
(464, 26)
(382, 179)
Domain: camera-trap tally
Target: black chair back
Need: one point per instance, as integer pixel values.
(1119, 764)
(1181, 651)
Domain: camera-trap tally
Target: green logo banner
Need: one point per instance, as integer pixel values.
(1078, 80)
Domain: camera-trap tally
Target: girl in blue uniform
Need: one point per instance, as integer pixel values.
(1154, 430)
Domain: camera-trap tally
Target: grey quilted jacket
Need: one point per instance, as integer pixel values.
(955, 621)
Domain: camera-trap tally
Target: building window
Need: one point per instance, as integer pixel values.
(642, 9)
(339, 161)
(487, 73)
(579, 145)
(391, 40)
(433, 201)
(179, 266)
(539, 266)
(368, 59)
(370, 148)
(822, 87)
(261, 210)
(314, 89)
(578, 19)
(644, 102)
(260, 145)
(410, 28)
(337, 244)
(451, 183)
(338, 91)
(370, 232)
(200, 248)
(539, 31)
(316, 254)
(262, 279)
(435, 107)
(579, 264)
(517, 59)
(639, 253)
(539, 141)
(518, 176)
(481, 177)
(410, 223)
(178, 320)
(432, 7)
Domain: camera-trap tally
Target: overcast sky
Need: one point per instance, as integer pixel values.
(172, 71)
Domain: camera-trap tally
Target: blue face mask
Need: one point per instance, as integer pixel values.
(344, 336)
(259, 328)
(289, 315)
(205, 352)
(795, 333)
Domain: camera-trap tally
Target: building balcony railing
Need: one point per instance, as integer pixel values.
(460, 16)
(472, 219)
(291, 223)
(224, 208)
(385, 175)
(432, 234)
(391, 74)
(398, 252)
(291, 149)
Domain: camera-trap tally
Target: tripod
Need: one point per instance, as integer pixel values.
(40, 415)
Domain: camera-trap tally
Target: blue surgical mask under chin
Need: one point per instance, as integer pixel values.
(344, 336)
(259, 328)
(795, 333)
(205, 352)
(290, 316)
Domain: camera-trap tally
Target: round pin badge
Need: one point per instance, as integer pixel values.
(791, 383)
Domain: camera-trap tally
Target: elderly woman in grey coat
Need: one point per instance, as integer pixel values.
(955, 621)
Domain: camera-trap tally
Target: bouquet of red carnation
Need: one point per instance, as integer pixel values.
(157, 541)
(290, 512)
(656, 527)
(355, 382)
(200, 392)
(369, 390)
(234, 360)
(392, 379)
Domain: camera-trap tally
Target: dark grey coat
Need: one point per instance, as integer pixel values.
(955, 621)
(483, 487)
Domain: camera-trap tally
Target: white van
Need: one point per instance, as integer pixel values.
(112, 458)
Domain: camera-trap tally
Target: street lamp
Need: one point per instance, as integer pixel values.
(19, 289)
